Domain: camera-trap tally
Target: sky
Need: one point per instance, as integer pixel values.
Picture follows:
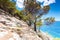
(54, 7)
(55, 10)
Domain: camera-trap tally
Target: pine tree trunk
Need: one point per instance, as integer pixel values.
(35, 24)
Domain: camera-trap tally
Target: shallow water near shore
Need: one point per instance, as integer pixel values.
(53, 30)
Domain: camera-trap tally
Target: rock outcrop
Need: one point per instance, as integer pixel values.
(13, 29)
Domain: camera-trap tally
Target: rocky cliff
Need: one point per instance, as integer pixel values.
(13, 29)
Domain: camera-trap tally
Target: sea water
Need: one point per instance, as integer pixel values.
(53, 29)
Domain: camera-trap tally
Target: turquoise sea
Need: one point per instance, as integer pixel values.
(53, 30)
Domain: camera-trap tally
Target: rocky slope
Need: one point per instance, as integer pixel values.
(14, 29)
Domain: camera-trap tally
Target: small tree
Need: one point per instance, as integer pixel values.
(8, 6)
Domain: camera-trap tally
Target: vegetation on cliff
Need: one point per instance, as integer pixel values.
(31, 14)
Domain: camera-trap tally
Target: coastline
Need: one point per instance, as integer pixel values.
(56, 39)
(50, 36)
(45, 35)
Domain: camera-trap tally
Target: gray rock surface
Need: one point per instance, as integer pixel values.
(19, 29)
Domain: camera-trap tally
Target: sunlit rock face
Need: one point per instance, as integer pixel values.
(13, 29)
(8, 20)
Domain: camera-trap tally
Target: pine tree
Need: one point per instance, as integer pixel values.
(34, 8)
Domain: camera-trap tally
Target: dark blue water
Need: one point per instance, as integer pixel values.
(53, 29)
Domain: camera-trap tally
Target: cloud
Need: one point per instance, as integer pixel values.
(19, 3)
(40, 0)
(46, 2)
